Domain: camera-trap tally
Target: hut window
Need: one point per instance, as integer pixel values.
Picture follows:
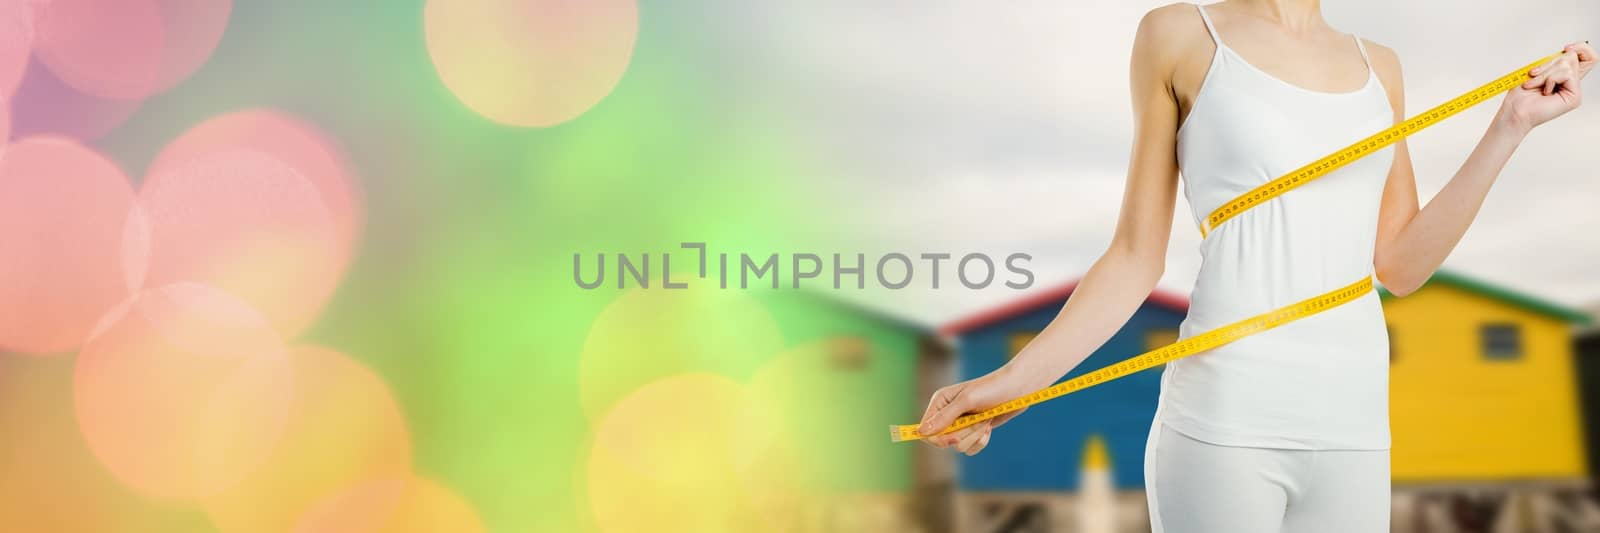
(1019, 340)
(1502, 341)
(849, 352)
(1158, 337)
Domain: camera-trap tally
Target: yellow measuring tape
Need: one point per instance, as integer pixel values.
(1256, 324)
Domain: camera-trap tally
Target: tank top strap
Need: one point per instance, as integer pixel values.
(1211, 28)
(1363, 48)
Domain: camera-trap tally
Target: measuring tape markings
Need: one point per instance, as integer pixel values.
(1171, 352)
(1364, 147)
(1256, 324)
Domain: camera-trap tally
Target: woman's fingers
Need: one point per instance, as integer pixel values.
(1572, 90)
(966, 440)
(938, 415)
(1002, 419)
(956, 436)
(1586, 56)
(1537, 80)
(1552, 89)
(950, 439)
(974, 442)
(1559, 79)
(1580, 57)
(957, 400)
(1549, 77)
(943, 416)
(1541, 73)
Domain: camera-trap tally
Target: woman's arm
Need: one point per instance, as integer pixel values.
(1128, 270)
(1412, 243)
(1120, 281)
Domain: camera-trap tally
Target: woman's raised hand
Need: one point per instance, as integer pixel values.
(1554, 89)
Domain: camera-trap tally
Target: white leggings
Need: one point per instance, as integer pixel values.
(1199, 487)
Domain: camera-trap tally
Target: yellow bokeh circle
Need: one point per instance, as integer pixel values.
(663, 459)
(648, 334)
(344, 428)
(530, 63)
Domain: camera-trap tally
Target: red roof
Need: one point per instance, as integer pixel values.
(1040, 299)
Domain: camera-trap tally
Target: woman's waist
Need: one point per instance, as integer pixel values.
(1261, 290)
(1214, 307)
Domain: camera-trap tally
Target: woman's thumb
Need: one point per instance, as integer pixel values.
(945, 415)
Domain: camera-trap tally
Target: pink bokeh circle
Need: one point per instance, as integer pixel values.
(62, 212)
(5, 122)
(16, 43)
(182, 391)
(45, 105)
(301, 145)
(193, 30)
(255, 203)
(107, 49)
(414, 505)
(128, 49)
(363, 508)
(531, 63)
(52, 482)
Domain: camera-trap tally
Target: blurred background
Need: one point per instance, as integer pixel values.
(314, 267)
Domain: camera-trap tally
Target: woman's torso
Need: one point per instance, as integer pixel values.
(1317, 383)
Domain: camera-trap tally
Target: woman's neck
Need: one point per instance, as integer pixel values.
(1297, 16)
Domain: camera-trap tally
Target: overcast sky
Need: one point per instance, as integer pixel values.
(963, 126)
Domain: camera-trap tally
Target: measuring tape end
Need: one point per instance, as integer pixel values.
(903, 433)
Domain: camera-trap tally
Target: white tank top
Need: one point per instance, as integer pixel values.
(1317, 383)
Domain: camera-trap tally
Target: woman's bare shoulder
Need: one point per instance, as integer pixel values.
(1171, 38)
(1384, 59)
(1173, 31)
(1176, 25)
(1386, 63)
